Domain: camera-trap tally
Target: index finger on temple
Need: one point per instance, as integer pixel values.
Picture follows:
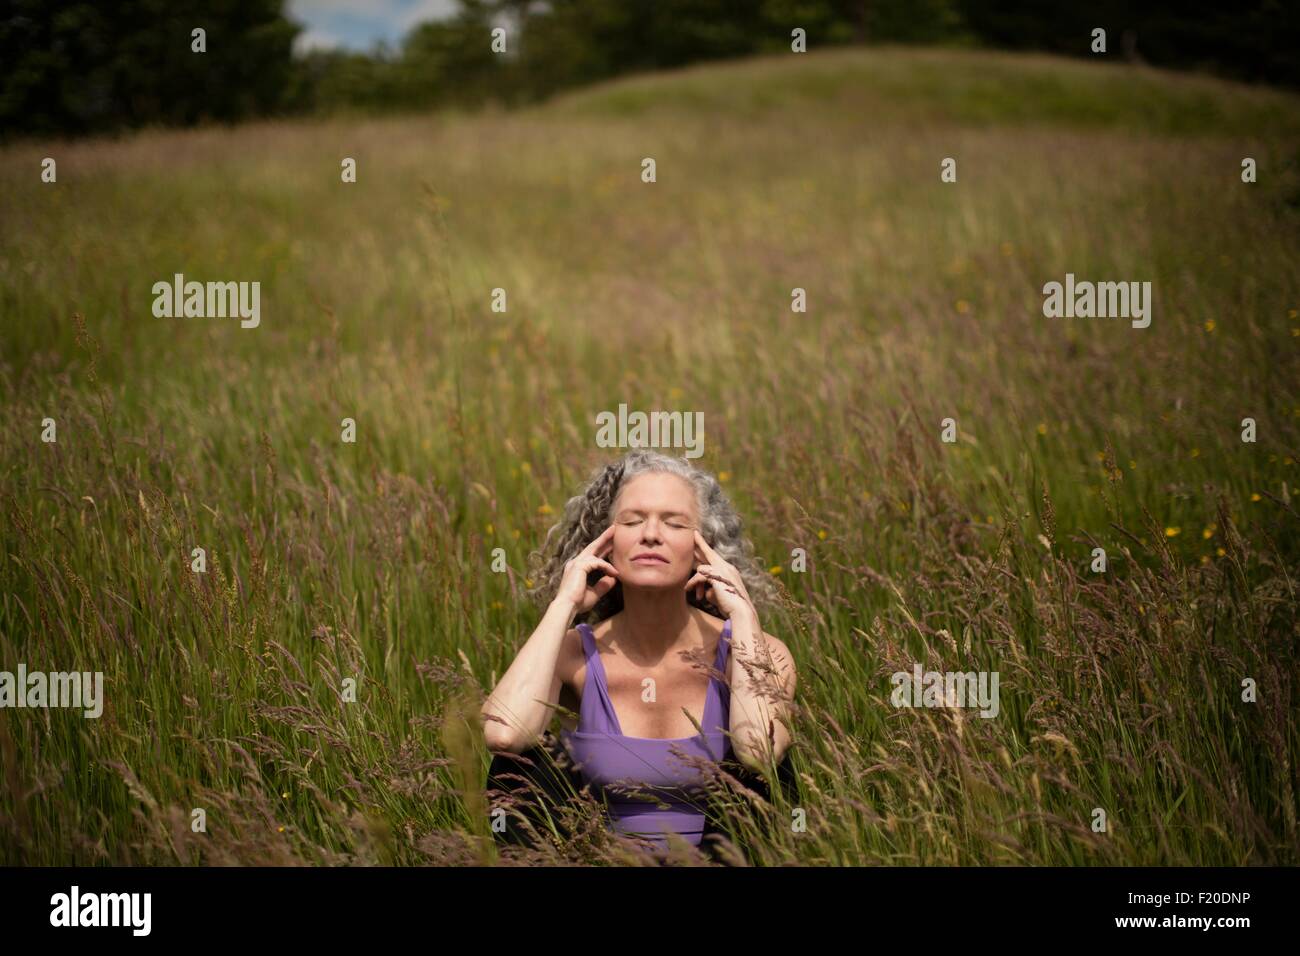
(703, 545)
(599, 541)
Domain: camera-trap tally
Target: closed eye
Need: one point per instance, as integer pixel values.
(676, 523)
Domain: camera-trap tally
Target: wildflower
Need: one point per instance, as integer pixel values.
(489, 528)
(962, 306)
(1208, 532)
(1042, 428)
(544, 509)
(1254, 496)
(1172, 532)
(1209, 325)
(822, 535)
(774, 569)
(723, 475)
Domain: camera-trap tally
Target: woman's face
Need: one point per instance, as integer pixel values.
(655, 517)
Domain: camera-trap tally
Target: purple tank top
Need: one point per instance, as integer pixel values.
(619, 767)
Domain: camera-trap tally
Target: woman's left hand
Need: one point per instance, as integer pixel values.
(718, 581)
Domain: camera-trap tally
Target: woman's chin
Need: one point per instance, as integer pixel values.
(652, 577)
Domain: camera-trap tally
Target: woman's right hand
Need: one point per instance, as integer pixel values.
(574, 589)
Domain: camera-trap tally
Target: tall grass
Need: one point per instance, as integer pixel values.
(1120, 691)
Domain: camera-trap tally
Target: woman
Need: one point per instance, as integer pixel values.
(652, 553)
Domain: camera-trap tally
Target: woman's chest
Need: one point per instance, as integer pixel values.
(664, 703)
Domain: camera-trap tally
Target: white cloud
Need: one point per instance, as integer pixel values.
(422, 10)
(313, 39)
(358, 24)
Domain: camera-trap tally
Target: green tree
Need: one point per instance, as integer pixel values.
(80, 67)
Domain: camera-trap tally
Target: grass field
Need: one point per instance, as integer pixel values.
(1120, 691)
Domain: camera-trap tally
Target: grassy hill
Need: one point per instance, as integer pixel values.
(1120, 691)
(906, 86)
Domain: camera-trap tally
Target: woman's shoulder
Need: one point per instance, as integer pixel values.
(782, 659)
(572, 656)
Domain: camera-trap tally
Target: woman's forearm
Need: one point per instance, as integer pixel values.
(520, 706)
(758, 734)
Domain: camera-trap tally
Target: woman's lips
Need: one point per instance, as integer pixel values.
(648, 559)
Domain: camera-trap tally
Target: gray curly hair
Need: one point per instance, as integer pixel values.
(587, 514)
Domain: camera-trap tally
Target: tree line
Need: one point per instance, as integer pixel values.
(74, 68)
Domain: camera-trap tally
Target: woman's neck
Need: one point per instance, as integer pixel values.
(656, 620)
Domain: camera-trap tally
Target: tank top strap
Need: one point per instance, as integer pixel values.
(724, 648)
(596, 712)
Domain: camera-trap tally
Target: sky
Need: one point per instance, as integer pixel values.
(358, 24)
